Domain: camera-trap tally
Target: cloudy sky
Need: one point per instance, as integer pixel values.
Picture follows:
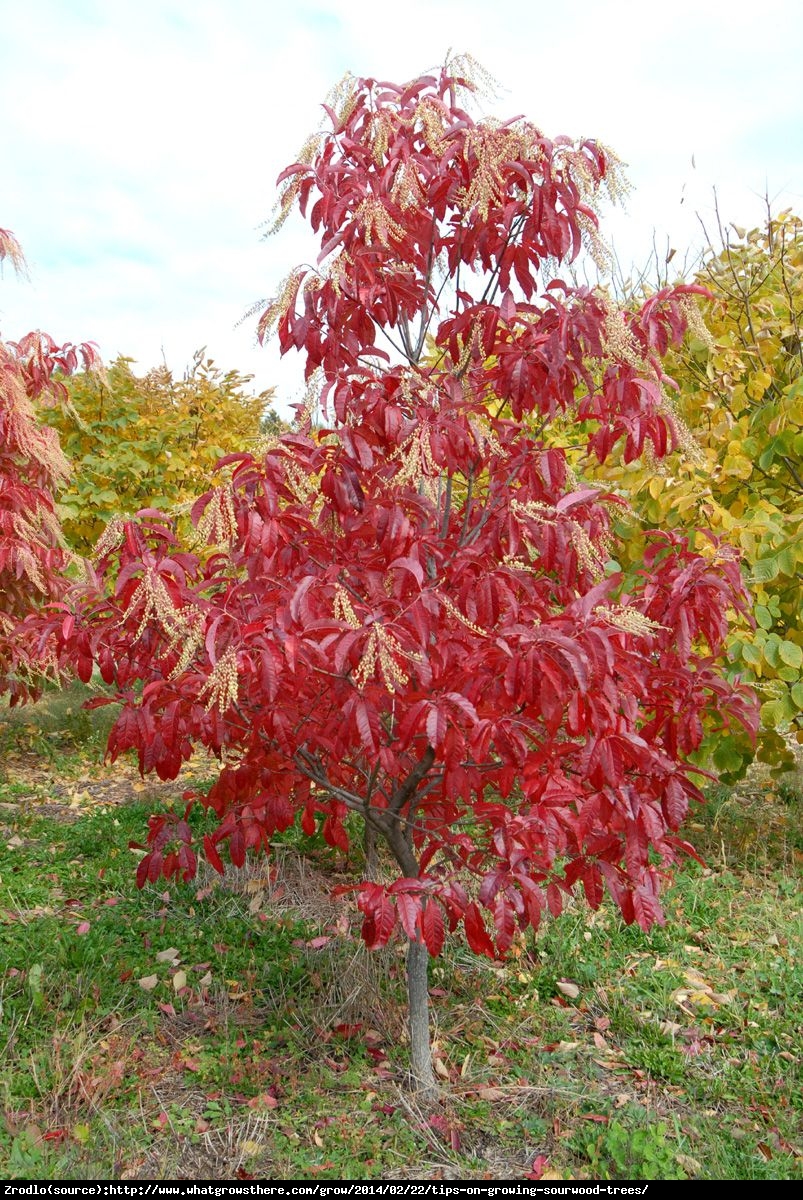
(140, 140)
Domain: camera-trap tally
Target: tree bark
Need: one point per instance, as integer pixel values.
(370, 850)
(395, 831)
(421, 1073)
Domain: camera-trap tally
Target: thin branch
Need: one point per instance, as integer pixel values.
(447, 508)
(404, 791)
(311, 767)
(493, 282)
(792, 471)
(467, 510)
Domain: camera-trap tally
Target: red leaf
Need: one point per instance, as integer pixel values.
(237, 846)
(436, 727)
(212, 856)
(411, 565)
(507, 307)
(677, 803)
(308, 821)
(380, 919)
(504, 920)
(539, 1165)
(592, 885)
(476, 932)
(432, 927)
(554, 899)
(409, 910)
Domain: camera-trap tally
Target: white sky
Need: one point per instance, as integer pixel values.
(140, 140)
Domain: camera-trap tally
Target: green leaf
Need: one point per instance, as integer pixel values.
(727, 756)
(751, 654)
(771, 650)
(767, 457)
(763, 616)
(772, 713)
(791, 654)
(787, 562)
(765, 570)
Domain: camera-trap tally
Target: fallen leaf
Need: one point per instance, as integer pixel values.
(179, 980)
(490, 1093)
(569, 989)
(169, 956)
(83, 928)
(441, 1068)
(148, 982)
(537, 1167)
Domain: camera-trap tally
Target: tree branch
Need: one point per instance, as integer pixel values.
(404, 791)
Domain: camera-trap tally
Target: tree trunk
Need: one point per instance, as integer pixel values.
(370, 849)
(397, 832)
(421, 1072)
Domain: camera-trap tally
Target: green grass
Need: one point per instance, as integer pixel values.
(56, 730)
(196, 1033)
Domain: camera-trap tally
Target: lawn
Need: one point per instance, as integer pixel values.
(237, 1028)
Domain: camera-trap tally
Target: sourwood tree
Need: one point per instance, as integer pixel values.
(33, 558)
(403, 613)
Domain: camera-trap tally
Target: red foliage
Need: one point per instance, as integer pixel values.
(407, 614)
(32, 558)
